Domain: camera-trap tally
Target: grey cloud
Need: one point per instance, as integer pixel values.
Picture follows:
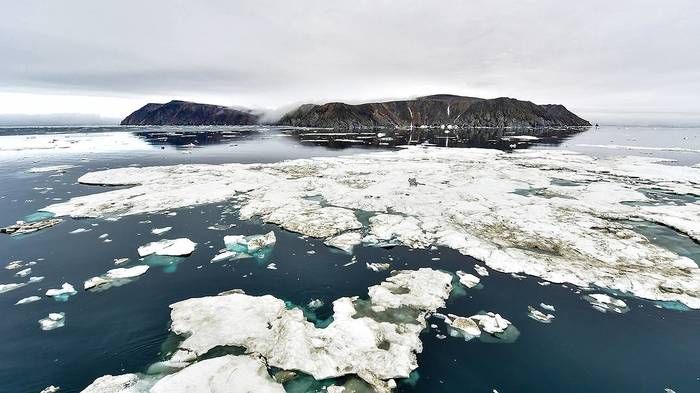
(622, 55)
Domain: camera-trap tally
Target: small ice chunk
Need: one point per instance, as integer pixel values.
(120, 261)
(160, 231)
(315, 303)
(63, 293)
(52, 168)
(547, 307)
(468, 280)
(466, 326)
(30, 299)
(538, 315)
(14, 265)
(378, 266)
(491, 323)
(21, 227)
(103, 236)
(272, 266)
(80, 230)
(50, 389)
(604, 303)
(167, 247)
(24, 272)
(116, 277)
(480, 270)
(55, 320)
(9, 287)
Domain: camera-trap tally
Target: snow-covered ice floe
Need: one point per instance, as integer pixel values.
(241, 247)
(538, 315)
(375, 339)
(115, 277)
(550, 214)
(53, 321)
(53, 168)
(22, 227)
(606, 303)
(168, 247)
(487, 326)
(62, 294)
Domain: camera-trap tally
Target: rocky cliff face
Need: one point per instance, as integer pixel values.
(190, 114)
(434, 111)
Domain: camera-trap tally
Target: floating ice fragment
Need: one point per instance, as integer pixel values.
(466, 326)
(50, 389)
(491, 323)
(120, 261)
(30, 299)
(167, 247)
(63, 293)
(160, 231)
(315, 303)
(345, 241)
(116, 277)
(24, 272)
(378, 266)
(272, 266)
(80, 230)
(538, 315)
(221, 227)
(604, 303)
(547, 307)
(14, 265)
(21, 227)
(9, 287)
(480, 270)
(53, 168)
(53, 321)
(103, 236)
(468, 280)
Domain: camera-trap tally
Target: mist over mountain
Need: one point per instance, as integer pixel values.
(434, 110)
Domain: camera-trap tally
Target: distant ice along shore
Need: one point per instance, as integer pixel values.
(551, 214)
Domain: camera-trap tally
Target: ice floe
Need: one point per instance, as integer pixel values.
(222, 374)
(21, 227)
(378, 266)
(509, 210)
(468, 280)
(168, 247)
(538, 315)
(53, 321)
(160, 231)
(29, 299)
(24, 272)
(53, 168)
(605, 303)
(50, 389)
(375, 339)
(547, 307)
(62, 294)
(115, 277)
(241, 247)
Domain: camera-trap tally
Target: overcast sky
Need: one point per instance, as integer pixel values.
(628, 58)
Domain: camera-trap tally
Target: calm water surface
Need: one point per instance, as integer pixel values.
(123, 328)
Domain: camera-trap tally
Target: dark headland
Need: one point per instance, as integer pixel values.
(434, 110)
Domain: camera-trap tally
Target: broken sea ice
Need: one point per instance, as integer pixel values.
(168, 247)
(241, 246)
(62, 294)
(53, 321)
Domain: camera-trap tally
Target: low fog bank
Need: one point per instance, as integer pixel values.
(56, 119)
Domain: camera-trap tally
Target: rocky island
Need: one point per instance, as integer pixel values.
(183, 113)
(428, 111)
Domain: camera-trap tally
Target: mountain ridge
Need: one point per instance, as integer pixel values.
(430, 111)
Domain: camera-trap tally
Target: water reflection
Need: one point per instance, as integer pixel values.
(490, 138)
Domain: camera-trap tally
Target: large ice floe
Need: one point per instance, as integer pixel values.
(375, 339)
(551, 214)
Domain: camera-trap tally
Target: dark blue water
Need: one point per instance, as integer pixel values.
(123, 328)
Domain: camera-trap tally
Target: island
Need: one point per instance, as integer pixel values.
(429, 111)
